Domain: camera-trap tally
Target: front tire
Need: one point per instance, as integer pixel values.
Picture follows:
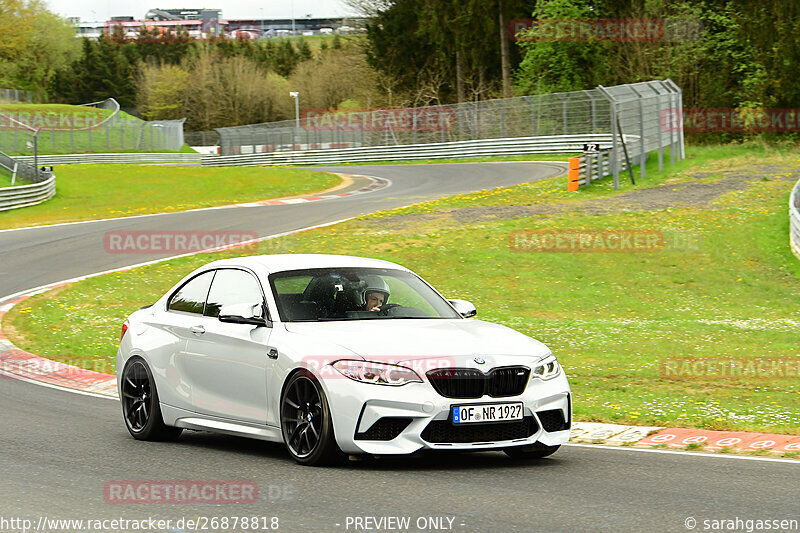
(306, 422)
(140, 407)
(531, 451)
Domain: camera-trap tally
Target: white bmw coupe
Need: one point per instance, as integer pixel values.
(335, 356)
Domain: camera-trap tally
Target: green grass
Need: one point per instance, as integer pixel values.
(87, 192)
(612, 318)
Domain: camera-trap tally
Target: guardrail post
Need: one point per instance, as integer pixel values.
(675, 137)
(36, 153)
(563, 111)
(642, 147)
(502, 118)
(573, 175)
(681, 147)
(594, 111)
(589, 168)
(615, 133)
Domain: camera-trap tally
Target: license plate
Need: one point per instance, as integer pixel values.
(486, 412)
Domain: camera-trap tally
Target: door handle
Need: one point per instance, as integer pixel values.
(197, 330)
(272, 353)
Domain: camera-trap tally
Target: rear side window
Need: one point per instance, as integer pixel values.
(232, 287)
(191, 297)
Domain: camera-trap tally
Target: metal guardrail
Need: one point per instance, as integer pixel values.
(27, 195)
(794, 220)
(75, 159)
(592, 166)
(20, 169)
(563, 144)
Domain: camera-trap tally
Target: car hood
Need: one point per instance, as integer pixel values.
(410, 339)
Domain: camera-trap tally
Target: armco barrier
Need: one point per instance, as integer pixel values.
(794, 220)
(26, 195)
(74, 159)
(590, 167)
(557, 144)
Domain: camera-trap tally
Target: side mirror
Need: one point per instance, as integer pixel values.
(464, 308)
(243, 314)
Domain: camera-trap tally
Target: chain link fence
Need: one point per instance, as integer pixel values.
(16, 96)
(649, 114)
(18, 170)
(639, 118)
(95, 127)
(201, 138)
(526, 116)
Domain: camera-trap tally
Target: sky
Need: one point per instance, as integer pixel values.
(101, 10)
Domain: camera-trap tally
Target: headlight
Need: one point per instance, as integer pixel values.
(377, 373)
(547, 368)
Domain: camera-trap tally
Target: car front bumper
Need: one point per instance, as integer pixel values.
(366, 418)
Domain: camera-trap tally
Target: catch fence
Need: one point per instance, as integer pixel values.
(638, 118)
(94, 127)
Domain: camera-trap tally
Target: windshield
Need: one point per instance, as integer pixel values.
(355, 294)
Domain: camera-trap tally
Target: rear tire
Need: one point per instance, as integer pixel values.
(531, 451)
(140, 407)
(306, 422)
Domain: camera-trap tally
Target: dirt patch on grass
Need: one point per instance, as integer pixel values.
(699, 194)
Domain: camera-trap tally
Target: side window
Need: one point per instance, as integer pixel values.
(192, 296)
(232, 287)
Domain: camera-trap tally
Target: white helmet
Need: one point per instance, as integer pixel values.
(373, 284)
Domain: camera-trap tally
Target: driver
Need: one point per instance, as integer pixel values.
(375, 294)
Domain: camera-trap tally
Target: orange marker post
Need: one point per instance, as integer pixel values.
(573, 173)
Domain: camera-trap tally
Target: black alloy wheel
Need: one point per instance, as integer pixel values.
(140, 406)
(306, 421)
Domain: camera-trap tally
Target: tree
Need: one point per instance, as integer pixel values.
(444, 50)
(322, 85)
(231, 91)
(35, 44)
(560, 66)
(161, 91)
(304, 51)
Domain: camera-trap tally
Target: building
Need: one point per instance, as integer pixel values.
(204, 23)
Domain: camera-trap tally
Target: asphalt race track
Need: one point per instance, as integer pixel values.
(35, 257)
(61, 449)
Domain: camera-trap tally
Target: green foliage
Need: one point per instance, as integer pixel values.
(432, 50)
(562, 66)
(745, 54)
(34, 44)
(304, 51)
